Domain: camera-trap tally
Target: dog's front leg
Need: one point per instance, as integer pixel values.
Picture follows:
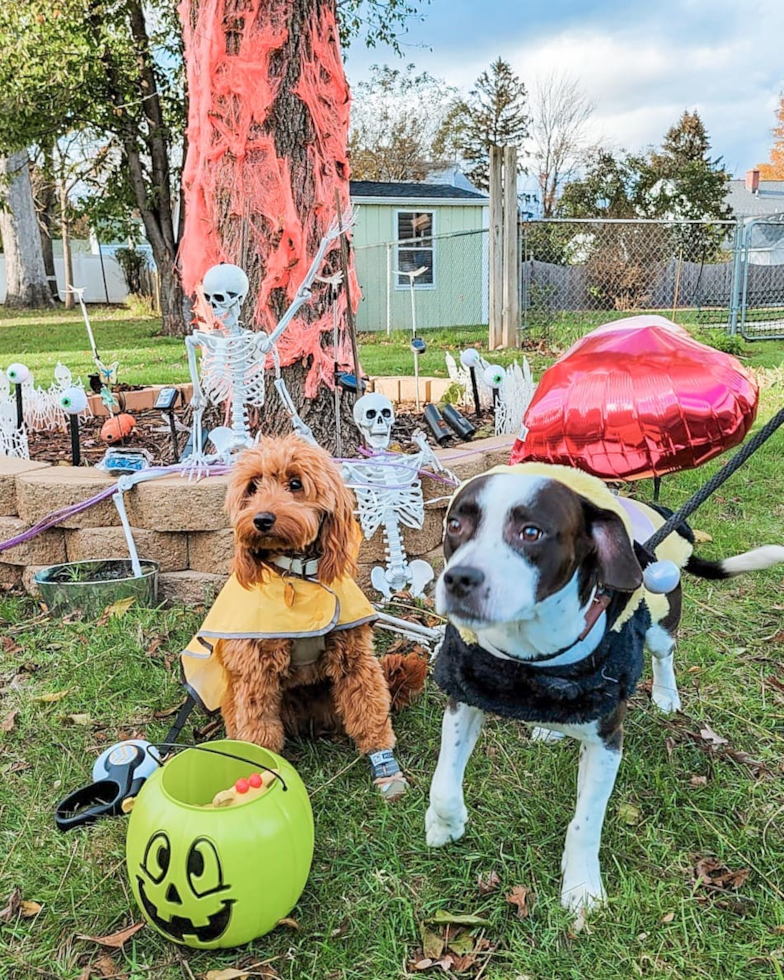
(251, 706)
(446, 816)
(600, 757)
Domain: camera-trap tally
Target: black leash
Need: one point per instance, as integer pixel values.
(715, 481)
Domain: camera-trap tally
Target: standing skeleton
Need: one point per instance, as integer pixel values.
(234, 359)
(389, 493)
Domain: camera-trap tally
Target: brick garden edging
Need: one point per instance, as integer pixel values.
(180, 525)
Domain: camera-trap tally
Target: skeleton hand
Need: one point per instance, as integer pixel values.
(198, 401)
(263, 342)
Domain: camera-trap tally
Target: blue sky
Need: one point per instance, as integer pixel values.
(641, 63)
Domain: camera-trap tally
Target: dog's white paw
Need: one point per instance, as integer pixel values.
(582, 890)
(440, 830)
(539, 734)
(666, 699)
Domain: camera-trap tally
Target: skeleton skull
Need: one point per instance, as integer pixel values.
(374, 417)
(225, 288)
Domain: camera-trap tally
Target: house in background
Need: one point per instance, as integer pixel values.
(760, 204)
(438, 227)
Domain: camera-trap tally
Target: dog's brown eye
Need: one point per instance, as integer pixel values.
(252, 488)
(530, 533)
(295, 485)
(454, 525)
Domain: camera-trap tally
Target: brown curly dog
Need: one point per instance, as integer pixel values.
(293, 519)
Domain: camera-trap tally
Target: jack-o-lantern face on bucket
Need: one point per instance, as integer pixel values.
(171, 884)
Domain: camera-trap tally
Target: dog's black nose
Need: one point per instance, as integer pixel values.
(263, 522)
(462, 580)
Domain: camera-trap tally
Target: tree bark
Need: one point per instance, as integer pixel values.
(26, 283)
(65, 237)
(267, 150)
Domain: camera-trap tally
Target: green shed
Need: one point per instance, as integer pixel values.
(437, 232)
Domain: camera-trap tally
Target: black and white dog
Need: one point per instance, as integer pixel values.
(547, 622)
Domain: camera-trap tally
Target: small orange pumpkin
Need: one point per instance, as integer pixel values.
(117, 427)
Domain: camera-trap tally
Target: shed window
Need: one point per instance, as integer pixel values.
(416, 227)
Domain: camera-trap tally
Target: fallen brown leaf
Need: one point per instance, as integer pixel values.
(488, 883)
(708, 735)
(28, 909)
(117, 939)
(230, 973)
(666, 919)
(432, 943)
(79, 719)
(519, 897)
(289, 923)
(342, 929)
(699, 780)
(8, 722)
(713, 875)
(10, 646)
(51, 698)
(108, 967)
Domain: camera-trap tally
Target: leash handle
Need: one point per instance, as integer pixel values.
(104, 797)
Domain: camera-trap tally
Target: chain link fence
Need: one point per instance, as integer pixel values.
(577, 274)
(762, 287)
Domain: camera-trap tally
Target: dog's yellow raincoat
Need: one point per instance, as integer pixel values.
(282, 606)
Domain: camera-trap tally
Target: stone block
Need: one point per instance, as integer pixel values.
(28, 581)
(141, 400)
(408, 390)
(40, 492)
(10, 469)
(189, 588)
(47, 548)
(170, 550)
(211, 551)
(10, 576)
(174, 504)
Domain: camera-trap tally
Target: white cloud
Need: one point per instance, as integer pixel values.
(642, 69)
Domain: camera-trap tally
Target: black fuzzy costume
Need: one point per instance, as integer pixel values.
(571, 694)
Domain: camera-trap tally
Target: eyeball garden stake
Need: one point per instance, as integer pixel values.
(18, 374)
(470, 359)
(73, 401)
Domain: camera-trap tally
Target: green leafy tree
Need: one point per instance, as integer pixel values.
(494, 114)
(116, 68)
(398, 125)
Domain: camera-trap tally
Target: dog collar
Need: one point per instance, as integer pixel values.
(588, 640)
(304, 568)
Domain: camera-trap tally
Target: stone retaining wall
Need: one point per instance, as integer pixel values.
(180, 525)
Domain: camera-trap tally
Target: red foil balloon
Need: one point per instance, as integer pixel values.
(638, 398)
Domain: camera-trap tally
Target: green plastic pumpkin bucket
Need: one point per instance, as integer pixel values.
(218, 877)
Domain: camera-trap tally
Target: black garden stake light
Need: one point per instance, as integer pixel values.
(73, 402)
(18, 374)
(166, 400)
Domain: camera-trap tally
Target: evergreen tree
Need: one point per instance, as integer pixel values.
(494, 114)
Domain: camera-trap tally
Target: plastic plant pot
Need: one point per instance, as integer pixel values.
(90, 586)
(209, 877)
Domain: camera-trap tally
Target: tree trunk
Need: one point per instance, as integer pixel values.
(26, 283)
(47, 223)
(65, 237)
(267, 152)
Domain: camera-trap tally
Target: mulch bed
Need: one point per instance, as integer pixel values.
(153, 434)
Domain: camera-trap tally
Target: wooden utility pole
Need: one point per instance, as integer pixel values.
(504, 312)
(496, 246)
(510, 314)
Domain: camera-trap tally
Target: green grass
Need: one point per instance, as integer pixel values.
(373, 879)
(41, 339)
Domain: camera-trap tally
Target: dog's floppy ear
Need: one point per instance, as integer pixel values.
(338, 530)
(619, 568)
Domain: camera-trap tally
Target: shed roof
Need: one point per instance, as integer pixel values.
(413, 190)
